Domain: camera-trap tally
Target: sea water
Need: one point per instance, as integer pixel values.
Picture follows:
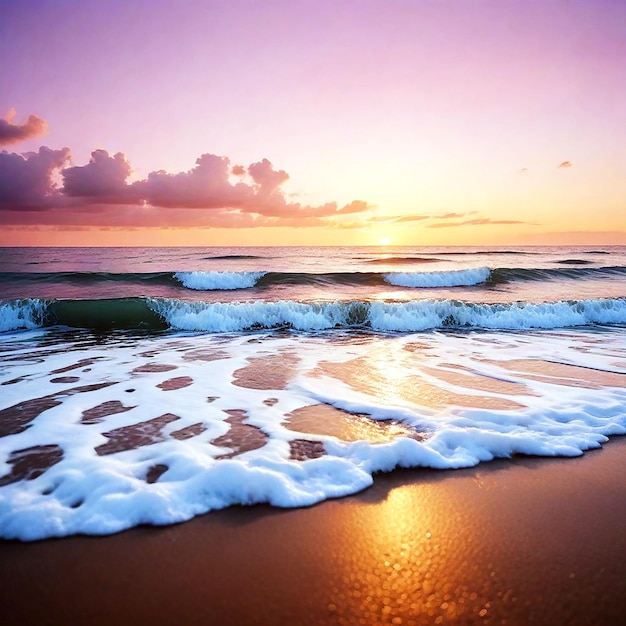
(150, 385)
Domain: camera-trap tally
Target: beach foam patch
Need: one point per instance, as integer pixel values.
(118, 445)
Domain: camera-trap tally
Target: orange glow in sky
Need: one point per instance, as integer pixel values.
(313, 123)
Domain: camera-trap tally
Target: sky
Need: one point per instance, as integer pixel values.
(312, 122)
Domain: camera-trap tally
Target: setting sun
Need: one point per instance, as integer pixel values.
(384, 241)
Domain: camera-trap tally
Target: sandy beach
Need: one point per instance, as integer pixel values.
(520, 541)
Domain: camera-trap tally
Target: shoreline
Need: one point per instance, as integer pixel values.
(526, 540)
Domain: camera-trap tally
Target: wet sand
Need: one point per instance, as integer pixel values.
(522, 541)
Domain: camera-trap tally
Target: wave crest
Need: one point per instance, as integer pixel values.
(23, 314)
(387, 316)
(210, 281)
(452, 278)
(158, 314)
(237, 316)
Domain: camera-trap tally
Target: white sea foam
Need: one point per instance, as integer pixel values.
(387, 316)
(98, 494)
(235, 316)
(429, 314)
(18, 314)
(209, 281)
(452, 278)
(414, 316)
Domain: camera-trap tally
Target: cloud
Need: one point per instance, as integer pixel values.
(450, 216)
(412, 218)
(99, 194)
(206, 186)
(566, 164)
(102, 179)
(26, 180)
(482, 221)
(398, 218)
(11, 133)
(266, 177)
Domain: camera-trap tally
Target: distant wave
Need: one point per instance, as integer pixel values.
(211, 281)
(244, 280)
(453, 278)
(157, 314)
(574, 262)
(573, 269)
(393, 260)
(513, 274)
(234, 257)
(481, 252)
(87, 277)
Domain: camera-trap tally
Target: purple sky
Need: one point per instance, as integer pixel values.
(423, 121)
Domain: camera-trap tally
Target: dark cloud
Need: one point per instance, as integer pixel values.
(566, 164)
(26, 180)
(11, 133)
(102, 179)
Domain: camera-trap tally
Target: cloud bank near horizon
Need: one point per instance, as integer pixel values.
(45, 188)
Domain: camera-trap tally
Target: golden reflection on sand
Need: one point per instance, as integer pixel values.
(267, 372)
(324, 419)
(477, 381)
(563, 374)
(389, 382)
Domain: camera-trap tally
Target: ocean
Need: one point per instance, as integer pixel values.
(151, 385)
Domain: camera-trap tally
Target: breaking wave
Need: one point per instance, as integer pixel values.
(453, 278)
(211, 281)
(158, 314)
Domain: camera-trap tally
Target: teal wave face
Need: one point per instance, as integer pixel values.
(158, 314)
(123, 313)
(101, 315)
